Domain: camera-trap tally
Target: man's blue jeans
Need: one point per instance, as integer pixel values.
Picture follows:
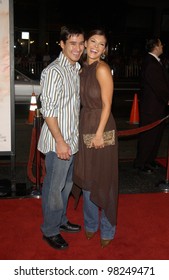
(92, 217)
(55, 192)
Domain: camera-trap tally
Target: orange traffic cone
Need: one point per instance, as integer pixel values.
(33, 107)
(134, 115)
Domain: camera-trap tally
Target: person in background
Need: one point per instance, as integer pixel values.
(46, 59)
(153, 101)
(96, 163)
(58, 139)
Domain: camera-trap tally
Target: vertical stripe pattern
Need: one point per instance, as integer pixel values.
(60, 98)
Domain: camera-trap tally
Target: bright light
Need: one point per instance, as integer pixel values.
(25, 35)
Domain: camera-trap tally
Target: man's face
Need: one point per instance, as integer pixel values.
(160, 48)
(73, 48)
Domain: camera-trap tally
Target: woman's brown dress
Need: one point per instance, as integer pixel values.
(96, 170)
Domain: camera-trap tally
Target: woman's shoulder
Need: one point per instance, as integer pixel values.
(103, 66)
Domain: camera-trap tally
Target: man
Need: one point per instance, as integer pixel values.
(154, 98)
(58, 140)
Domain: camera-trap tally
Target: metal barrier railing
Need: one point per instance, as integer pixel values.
(124, 71)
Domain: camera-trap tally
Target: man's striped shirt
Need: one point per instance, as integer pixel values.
(60, 98)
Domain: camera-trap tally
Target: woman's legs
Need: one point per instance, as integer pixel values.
(91, 213)
(107, 231)
(91, 218)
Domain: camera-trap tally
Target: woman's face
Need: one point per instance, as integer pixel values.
(95, 46)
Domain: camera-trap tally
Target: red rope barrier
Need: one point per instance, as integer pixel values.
(141, 129)
(39, 161)
(167, 174)
(164, 185)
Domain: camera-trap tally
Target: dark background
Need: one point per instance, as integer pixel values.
(128, 22)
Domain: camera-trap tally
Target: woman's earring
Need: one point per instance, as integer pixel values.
(103, 56)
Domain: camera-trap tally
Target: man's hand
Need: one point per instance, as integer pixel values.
(63, 150)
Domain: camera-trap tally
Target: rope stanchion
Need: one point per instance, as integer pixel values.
(36, 159)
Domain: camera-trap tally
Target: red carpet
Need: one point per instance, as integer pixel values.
(142, 231)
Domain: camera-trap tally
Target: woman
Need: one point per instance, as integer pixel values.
(96, 163)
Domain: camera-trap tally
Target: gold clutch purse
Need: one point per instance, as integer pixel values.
(108, 136)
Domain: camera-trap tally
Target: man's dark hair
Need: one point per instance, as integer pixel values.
(68, 30)
(151, 44)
